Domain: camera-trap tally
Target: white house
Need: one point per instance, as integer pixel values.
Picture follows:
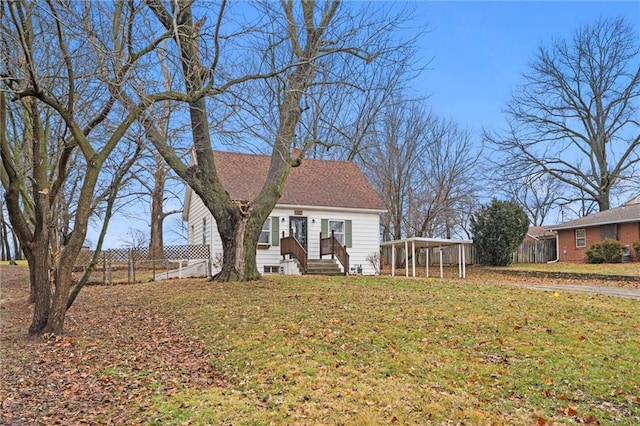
(320, 196)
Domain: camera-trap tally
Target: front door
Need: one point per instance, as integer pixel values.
(298, 228)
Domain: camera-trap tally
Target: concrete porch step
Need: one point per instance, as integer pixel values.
(323, 267)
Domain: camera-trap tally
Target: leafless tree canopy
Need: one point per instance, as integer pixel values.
(575, 115)
(264, 82)
(425, 170)
(61, 127)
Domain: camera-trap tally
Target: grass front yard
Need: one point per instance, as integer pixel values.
(632, 269)
(346, 350)
(380, 350)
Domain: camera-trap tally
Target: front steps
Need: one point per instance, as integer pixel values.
(323, 267)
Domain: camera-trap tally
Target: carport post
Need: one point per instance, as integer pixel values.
(441, 270)
(406, 258)
(393, 260)
(413, 257)
(427, 257)
(464, 263)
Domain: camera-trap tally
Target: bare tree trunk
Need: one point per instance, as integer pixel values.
(17, 249)
(156, 241)
(41, 289)
(239, 251)
(5, 253)
(69, 253)
(62, 281)
(37, 252)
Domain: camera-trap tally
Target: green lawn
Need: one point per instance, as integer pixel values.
(606, 268)
(363, 350)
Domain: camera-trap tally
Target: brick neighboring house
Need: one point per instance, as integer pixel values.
(620, 223)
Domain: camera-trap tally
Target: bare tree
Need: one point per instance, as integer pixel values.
(61, 69)
(135, 238)
(424, 169)
(538, 195)
(448, 181)
(393, 162)
(5, 233)
(306, 36)
(575, 115)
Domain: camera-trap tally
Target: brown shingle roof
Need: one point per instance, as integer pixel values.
(313, 183)
(540, 232)
(629, 212)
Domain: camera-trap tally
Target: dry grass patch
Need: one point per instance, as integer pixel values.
(632, 269)
(362, 350)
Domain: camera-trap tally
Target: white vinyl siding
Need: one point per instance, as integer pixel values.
(361, 232)
(204, 230)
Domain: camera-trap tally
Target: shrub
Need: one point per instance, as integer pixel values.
(498, 229)
(374, 260)
(606, 251)
(636, 248)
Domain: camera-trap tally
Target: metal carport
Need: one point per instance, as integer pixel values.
(414, 243)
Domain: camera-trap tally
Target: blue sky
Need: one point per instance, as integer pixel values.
(480, 49)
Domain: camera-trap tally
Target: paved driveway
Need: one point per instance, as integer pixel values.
(631, 293)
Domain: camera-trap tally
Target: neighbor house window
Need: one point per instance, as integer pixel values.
(337, 226)
(581, 237)
(609, 231)
(265, 235)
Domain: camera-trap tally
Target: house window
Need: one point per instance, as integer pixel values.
(337, 227)
(204, 230)
(609, 231)
(581, 237)
(265, 235)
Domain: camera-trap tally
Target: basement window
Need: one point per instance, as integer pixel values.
(271, 269)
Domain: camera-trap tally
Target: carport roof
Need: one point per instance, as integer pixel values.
(421, 242)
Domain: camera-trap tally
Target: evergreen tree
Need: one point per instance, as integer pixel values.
(498, 229)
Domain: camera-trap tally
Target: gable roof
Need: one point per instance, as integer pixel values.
(540, 232)
(628, 212)
(322, 183)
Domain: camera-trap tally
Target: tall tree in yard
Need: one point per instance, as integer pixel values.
(158, 212)
(308, 37)
(498, 229)
(423, 168)
(575, 116)
(59, 112)
(538, 195)
(153, 173)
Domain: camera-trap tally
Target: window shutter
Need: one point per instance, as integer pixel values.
(347, 233)
(324, 228)
(275, 231)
